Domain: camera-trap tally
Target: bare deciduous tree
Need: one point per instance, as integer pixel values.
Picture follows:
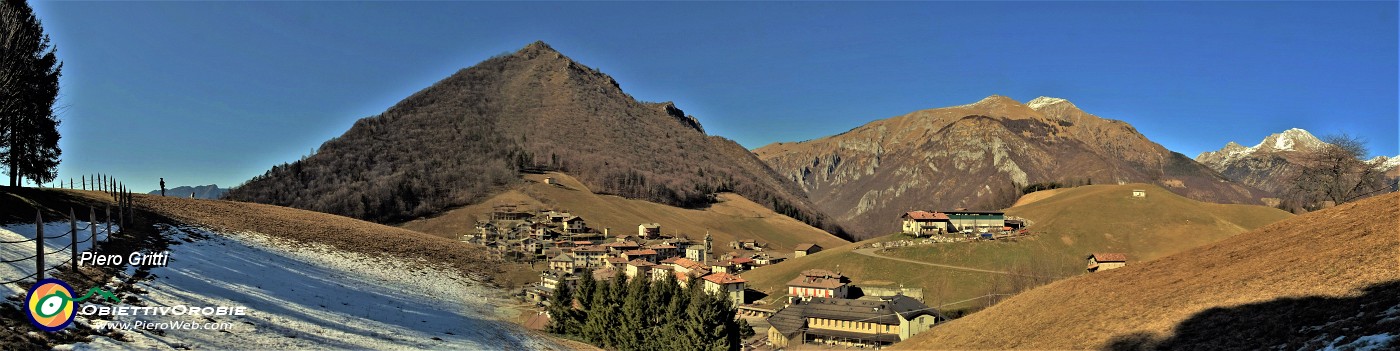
(1334, 173)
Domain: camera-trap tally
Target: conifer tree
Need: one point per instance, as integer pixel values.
(29, 71)
(586, 288)
(659, 299)
(600, 317)
(564, 319)
(632, 329)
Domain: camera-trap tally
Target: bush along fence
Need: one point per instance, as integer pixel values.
(97, 233)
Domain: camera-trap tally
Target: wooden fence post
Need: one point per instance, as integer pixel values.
(73, 234)
(121, 216)
(109, 222)
(92, 223)
(39, 245)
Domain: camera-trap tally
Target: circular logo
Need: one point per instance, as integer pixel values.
(50, 305)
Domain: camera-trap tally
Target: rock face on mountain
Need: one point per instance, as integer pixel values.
(466, 136)
(978, 156)
(1266, 165)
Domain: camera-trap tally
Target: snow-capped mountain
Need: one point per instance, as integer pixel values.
(1384, 163)
(1289, 140)
(1264, 165)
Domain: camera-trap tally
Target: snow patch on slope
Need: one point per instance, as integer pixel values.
(53, 256)
(1382, 341)
(1043, 101)
(302, 296)
(1384, 163)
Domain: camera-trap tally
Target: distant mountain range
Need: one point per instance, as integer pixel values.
(211, 191)
(473, 133)
(1266, 165)
(978, 156)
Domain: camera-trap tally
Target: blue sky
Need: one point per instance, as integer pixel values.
(218, 92)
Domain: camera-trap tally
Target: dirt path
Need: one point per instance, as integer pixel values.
(870, 251)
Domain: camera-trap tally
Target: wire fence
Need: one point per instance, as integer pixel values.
(96, 233)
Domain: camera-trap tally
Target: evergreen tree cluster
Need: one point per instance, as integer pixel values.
(29, 72)
(645, 314)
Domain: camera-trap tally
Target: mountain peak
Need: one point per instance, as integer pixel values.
(1046, 101)
(1293, 139)
(997, 100)
(538, 49)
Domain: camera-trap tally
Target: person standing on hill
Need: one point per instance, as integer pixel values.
(162, 186)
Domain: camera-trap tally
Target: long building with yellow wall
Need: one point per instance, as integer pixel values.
(847, 322)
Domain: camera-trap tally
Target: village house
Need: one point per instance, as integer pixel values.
(648, 255)
(509, 212)
(592, 255)
(729, 285)
(661, 271)
(550, 280)
(649, 230)
(688, 266)
(621, 246)
(817, 283)
(763, 259)
(744, 244)
(663, 249)
(637, 268)
(846, 322)
(1106, 261)
(615, 262)
(574, 225)
(486, 231)
(740, 264)
(564, 262)
(805, 249)
(924, 223)
(721, 267)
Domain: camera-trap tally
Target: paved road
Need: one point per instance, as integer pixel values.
(870, 251)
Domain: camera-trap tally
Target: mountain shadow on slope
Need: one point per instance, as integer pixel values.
(471, 134)
(1306, 323)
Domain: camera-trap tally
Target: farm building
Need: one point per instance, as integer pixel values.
(1106, 261)
(919, 223)
(976, 221)
(805, 249)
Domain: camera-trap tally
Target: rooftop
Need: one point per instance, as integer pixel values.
(1109, 257)
(724, 278)
(925, 215)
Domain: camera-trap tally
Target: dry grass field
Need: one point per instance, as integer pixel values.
(940, 285)
(1069, 224)
(1326, 276)
(732, 218)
